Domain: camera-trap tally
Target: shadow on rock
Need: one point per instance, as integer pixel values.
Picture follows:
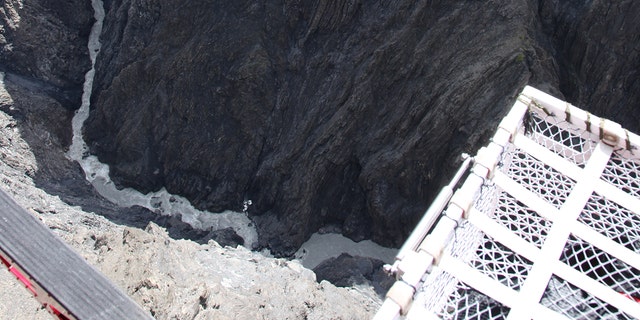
(347, 271)
(41, 116)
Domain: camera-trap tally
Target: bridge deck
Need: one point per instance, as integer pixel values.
(546, 225)
(57, 276)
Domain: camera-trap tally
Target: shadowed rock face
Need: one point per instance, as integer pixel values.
(43, 59)
(596, 45)
(348, 271)
(337, 112)
(46, 43)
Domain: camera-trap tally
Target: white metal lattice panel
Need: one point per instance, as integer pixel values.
(554, 229)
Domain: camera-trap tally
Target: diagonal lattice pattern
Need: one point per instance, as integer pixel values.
(521, 220)
(501, 263)
(468, 303)
(436, 289)
(613, 221)
(553, 126)
(623, 173)
(487, 198)
(565, 143)
(466, 237)
(541, 179)
(601, 266)
(573, 302)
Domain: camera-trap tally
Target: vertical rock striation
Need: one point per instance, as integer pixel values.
(43, 59)
(596, 45)
(335, 112)
(46, 41)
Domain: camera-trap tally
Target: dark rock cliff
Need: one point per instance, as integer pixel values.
(45, 42)
(345, 112)
(596, 45)
(43, 59)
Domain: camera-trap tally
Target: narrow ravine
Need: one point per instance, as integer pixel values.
(315, 250)
(161, 201)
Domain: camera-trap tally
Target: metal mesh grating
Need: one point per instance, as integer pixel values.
(602, 267)
(537, 219)
(623, 173)
(487, 198)
(521, 220)
(466, 236)
(440, 285)
(540, 178)
(468, 303)
(571, 301)
(501, 263)
(562, 141)
(613, 221)
(436, 291)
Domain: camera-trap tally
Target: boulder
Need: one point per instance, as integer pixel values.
(347, 271)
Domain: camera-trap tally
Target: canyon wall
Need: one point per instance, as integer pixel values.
(337, 113)
(43, 60)
(46, 42)
(596, 45)
(171, 279)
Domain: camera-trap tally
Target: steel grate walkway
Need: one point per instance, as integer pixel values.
(62, 281)
(545, 226)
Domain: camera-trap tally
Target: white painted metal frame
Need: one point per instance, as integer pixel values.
(567, 146)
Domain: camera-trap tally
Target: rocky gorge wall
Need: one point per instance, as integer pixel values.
(337, 113)
(46, 41)
(171, 279)
(168, 278)
(595, 45)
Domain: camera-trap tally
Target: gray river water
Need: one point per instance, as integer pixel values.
(318, 248)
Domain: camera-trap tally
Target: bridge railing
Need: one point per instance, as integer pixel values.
(546, 225)
(60, 279)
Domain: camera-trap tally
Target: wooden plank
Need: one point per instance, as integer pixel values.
(57, 271)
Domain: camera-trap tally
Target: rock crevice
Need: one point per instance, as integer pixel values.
(340, 112)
